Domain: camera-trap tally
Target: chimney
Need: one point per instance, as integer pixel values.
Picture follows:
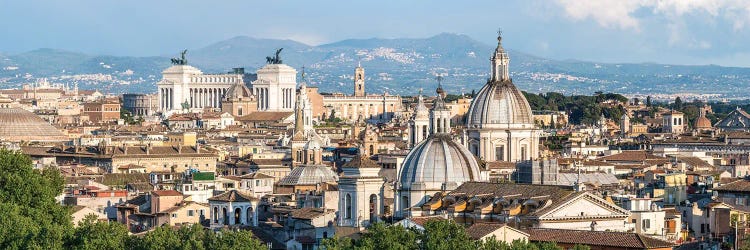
(179, 149)
(148, 149)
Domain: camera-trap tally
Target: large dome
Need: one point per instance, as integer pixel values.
(702, 123)
(239, 91)
(309, 175)
(438, 163)
(499, 103)
(17, 124)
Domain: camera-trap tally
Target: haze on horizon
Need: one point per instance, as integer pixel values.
(695, 32)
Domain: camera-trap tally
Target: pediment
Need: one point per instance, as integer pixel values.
(582, 206)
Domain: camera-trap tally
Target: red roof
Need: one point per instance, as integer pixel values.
(166, 193)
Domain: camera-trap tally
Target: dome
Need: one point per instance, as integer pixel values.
(438, 163)
(17, 124)
(499, 102)
(237, 91)
(309, 175)
(702, 123)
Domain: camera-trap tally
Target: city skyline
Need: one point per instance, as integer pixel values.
(671, 32)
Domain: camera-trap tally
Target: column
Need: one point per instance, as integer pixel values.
(161, 99)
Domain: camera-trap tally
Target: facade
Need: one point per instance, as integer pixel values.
(140, 104)
(186, 87)
(673, 122)
(239, 101)
(500, 123)
(102, 110)
(361, 193)
(233, 208)
(275, 87)
(361, 106)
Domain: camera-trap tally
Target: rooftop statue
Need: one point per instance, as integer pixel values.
(276, 59)
(181, 60)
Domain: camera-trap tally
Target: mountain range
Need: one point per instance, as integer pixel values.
(398, 66)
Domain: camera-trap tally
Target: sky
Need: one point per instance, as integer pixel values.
(694, 32)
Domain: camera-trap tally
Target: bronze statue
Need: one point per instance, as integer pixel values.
(180, 61)
(276, 59)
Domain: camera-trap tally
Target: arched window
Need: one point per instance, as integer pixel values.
(237, 213)
(239, 111)
(216, 215)
(348, 206)
(225, 216)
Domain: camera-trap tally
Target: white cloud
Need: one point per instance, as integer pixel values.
(608, 13)
(619, 13)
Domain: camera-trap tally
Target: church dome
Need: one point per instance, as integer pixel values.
(438, 163)
(702, 123)
(17, 124)
(309, 175)
(238, 91)
(501, 103)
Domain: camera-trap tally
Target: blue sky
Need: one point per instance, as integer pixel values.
(661, 31)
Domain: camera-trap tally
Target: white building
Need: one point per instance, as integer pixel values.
(500, 124)
(646, 215)
(233, 208)
(275, 87)
(361, 193)
(184, 86)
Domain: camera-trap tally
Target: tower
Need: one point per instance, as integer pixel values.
(624, 125)
(359, 81)
(360, 191)
(419, 124)
(500, 61)
(440, 115)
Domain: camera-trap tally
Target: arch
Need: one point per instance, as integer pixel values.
(225, 216)
(216, 215)
(348, 206)
(373, 206)
(237, 215)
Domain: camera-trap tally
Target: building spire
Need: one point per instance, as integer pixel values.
(500, 61)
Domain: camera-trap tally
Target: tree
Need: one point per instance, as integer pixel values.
(677, 103)
(29, 215)
(648, 101)
(445, 235)
(92, 235)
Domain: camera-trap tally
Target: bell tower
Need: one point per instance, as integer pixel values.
(359, 81)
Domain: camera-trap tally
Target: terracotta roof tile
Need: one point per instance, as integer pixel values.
(597, 238)
(309, 213)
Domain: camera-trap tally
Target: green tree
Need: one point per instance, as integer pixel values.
(648, 101)
(30, 218)
(337, 243)
(227, 240)
(93, 235)
(445, 235)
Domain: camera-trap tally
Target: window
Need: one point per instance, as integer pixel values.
(191, 213)
(646, 224)
(257, 183)
(174, 215)
(348, 206)
(500, 153)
